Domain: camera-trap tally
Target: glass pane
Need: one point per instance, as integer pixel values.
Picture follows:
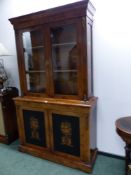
(35, 82)
(65, 59)
(65, 83)
(34, 61)
(90, 63)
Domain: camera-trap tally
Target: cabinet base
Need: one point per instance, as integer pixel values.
(77, 164)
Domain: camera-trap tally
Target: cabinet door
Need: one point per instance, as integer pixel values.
(34, 61)
(34, 123)
(66, 58)
(65, 133)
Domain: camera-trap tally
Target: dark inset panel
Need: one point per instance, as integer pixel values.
(34, 124)
(66, 134)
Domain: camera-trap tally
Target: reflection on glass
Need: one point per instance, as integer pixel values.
(65, 83)
(34, 61)
(65, 59)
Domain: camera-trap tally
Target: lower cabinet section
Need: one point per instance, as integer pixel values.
(63, 131)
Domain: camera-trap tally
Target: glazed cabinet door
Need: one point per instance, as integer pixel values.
(67, 59)
(34, 71)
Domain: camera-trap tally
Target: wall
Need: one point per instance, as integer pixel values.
(112, 51)
(112, 69)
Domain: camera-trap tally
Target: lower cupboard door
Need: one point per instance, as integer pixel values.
(34, 124)
(66, 134)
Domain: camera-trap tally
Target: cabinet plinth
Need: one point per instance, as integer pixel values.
(57, 110)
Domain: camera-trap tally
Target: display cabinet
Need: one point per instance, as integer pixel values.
(57, 110)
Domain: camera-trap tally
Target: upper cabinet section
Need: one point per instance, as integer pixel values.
(54, 49)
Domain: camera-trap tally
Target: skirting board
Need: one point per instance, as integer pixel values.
(111, 155)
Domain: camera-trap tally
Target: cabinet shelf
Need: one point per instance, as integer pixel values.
(35, 71)
(56, 71)
(36, 47)
(65, 71)
(54, 45)
(64, 44)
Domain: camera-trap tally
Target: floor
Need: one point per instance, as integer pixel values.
(13, 162)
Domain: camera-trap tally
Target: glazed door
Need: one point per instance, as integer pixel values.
(34, 61)
(66, 59)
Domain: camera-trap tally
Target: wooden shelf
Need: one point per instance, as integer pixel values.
(65, 71)
(35, 71)
(36, 47)
(54, 45)
(64, 44)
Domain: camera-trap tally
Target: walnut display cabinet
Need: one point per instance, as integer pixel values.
(57, 110)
